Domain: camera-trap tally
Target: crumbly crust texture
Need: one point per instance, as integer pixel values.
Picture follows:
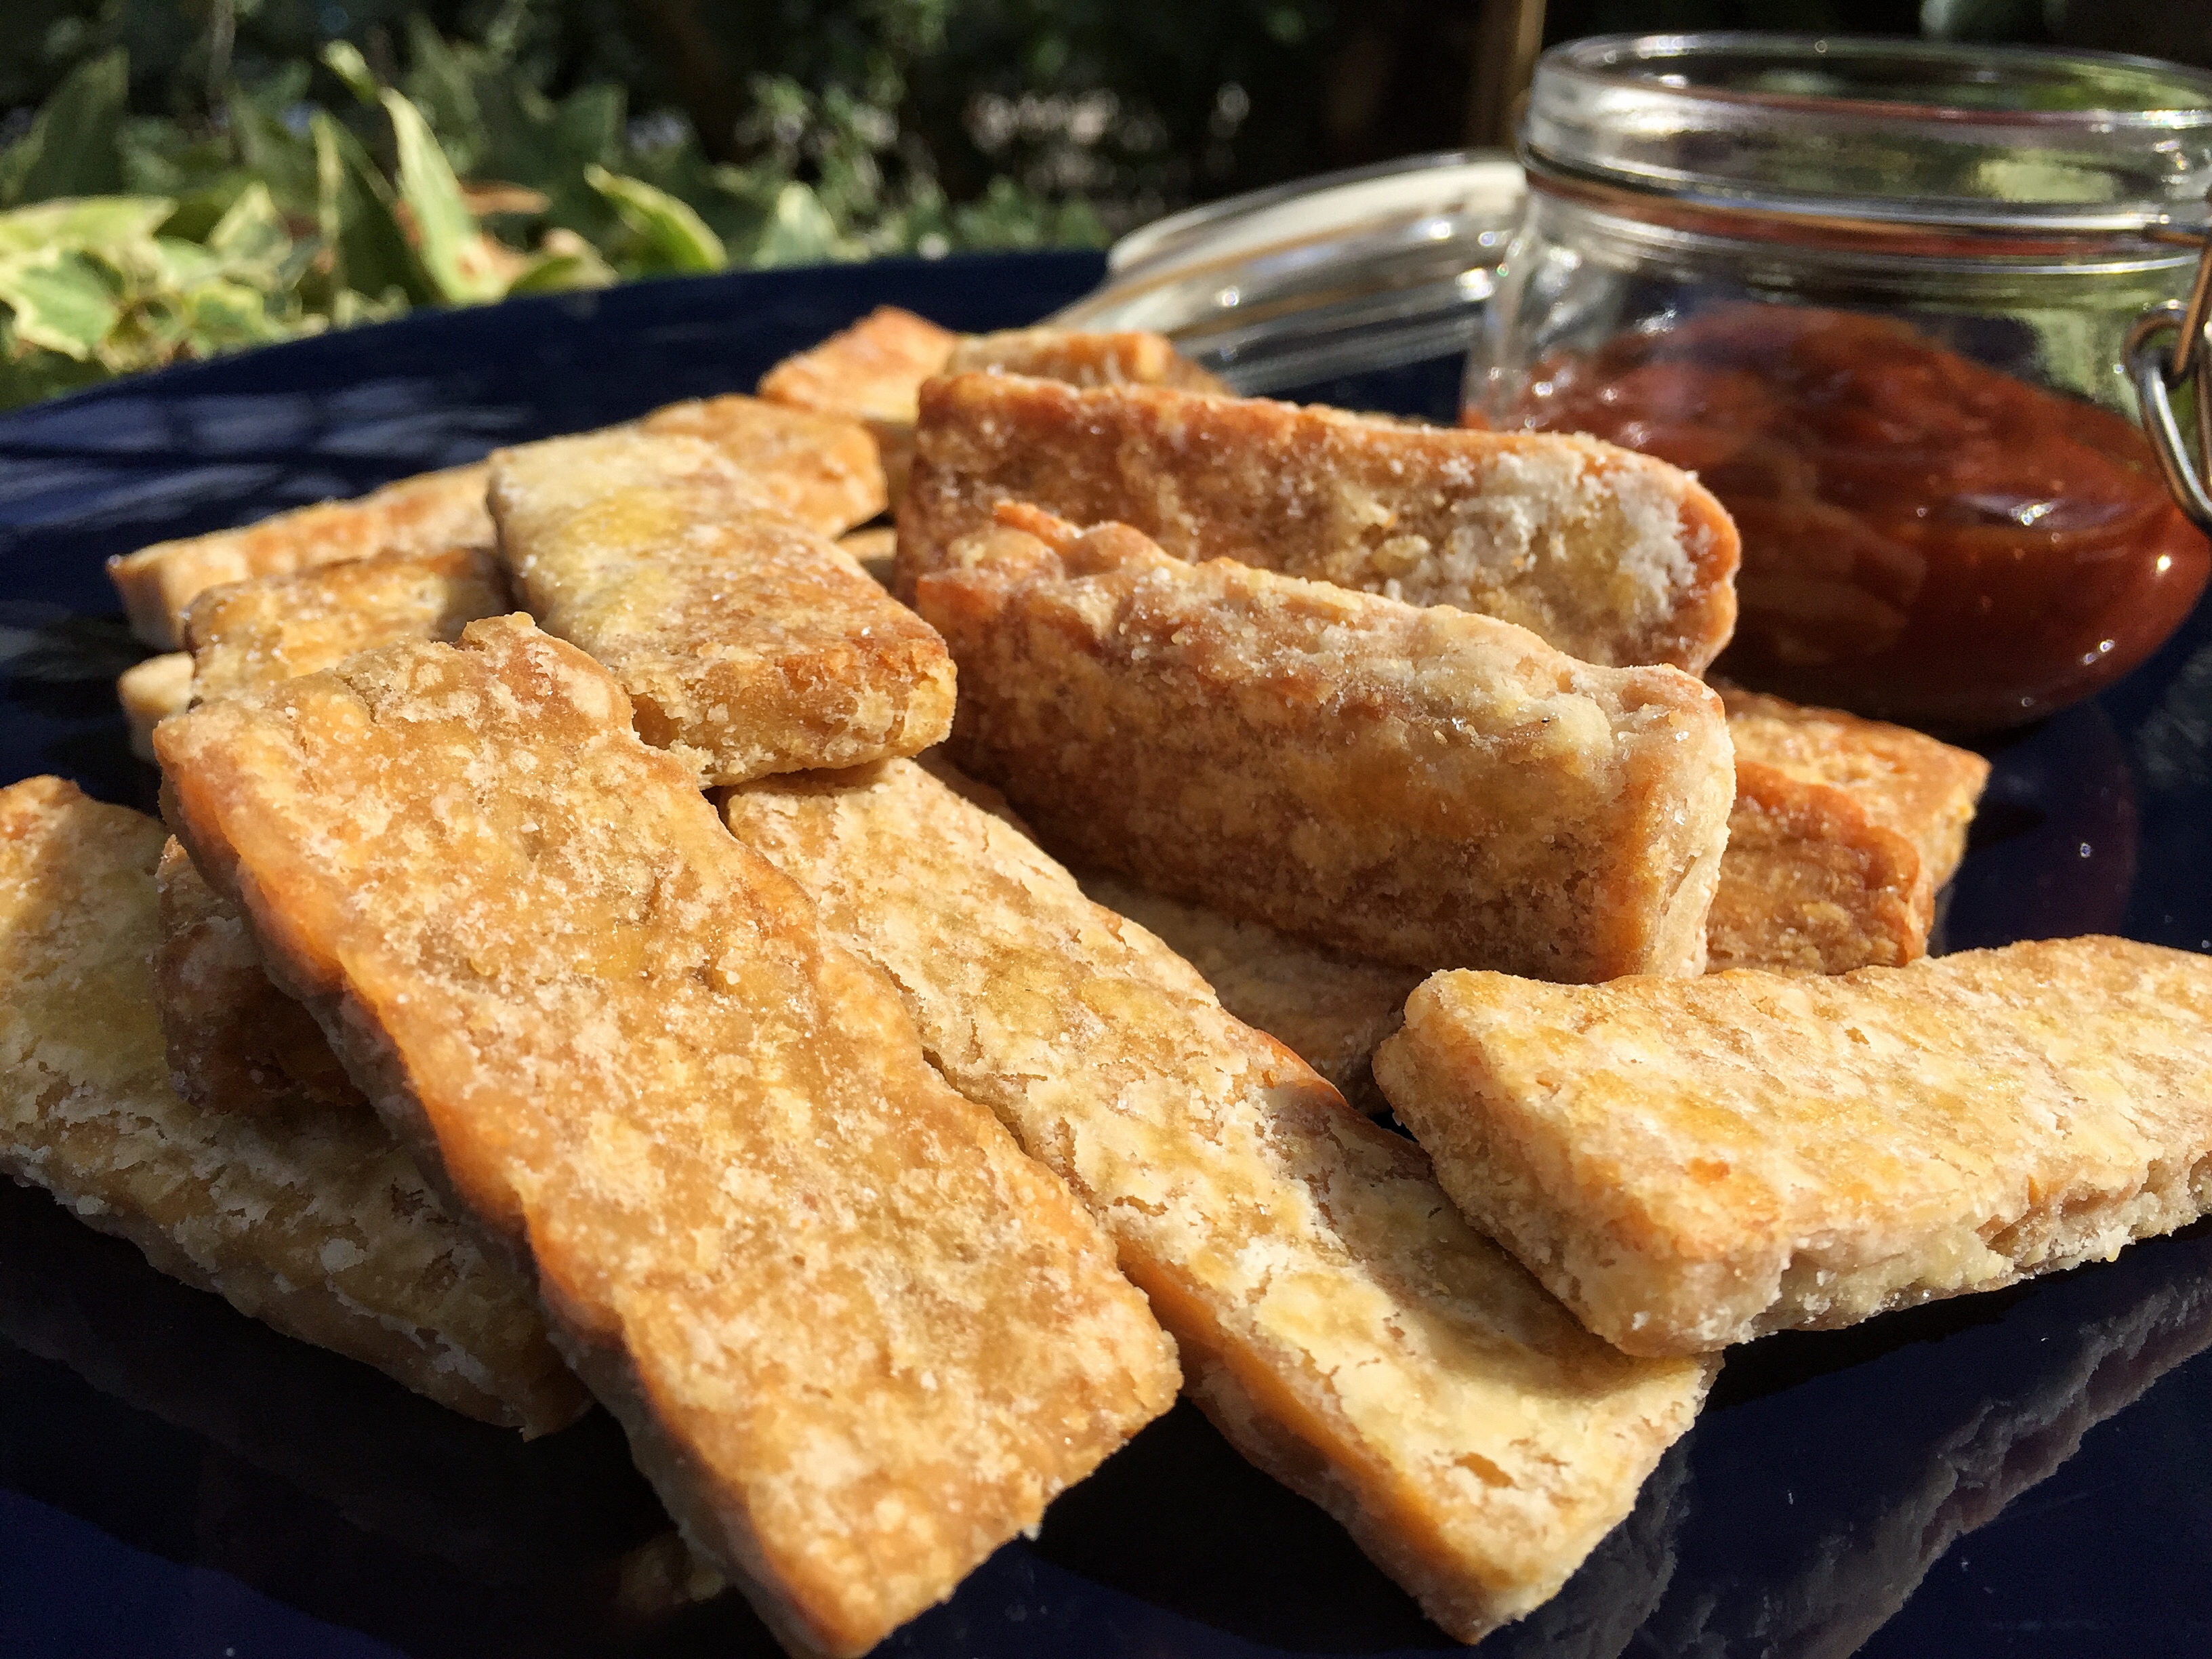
(857, 1340)
(1844, 830)
(423, 514)
(747, 643)
(151, 691)
(1610, 555)
(1337, 1320)
(822, 470)
(309, 1219)
(1424, 787)
(1328, 1009)
(871, 372)
(1689, 1164)
(255, 633)
(1082, 357)
(235, 1042)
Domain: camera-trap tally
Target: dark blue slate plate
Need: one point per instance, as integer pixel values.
(2027, 1474)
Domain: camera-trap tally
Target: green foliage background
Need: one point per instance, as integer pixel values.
(180, 180)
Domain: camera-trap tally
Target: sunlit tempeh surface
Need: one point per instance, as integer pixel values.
(255, 633)
(422, 514)
(857, 1339)
(1425, 787)
(1082, 357)
(1328, 1009)
(310, 1220)
(871, 372)
(1610, 555)
(822, 469)
(1694, 1162)
(747, 643)
(1337, 1320)
(235, 1042)
(1842, 832)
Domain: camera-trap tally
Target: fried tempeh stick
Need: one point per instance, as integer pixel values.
(1611, 556)
(1328, 1009)
(1081, 357)
(422, 514)
(235, 1042)
(747, 643)
(1842, 832)
(1422, 788)
(255, 633)
(310, 1221)
(1689, 1163)
(857, 1340)
(151, 691)
(820, 469)
(870, 373)
(1337, 1322)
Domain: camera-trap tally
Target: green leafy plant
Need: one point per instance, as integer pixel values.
(127, 241)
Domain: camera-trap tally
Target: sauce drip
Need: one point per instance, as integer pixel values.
(1925, 538)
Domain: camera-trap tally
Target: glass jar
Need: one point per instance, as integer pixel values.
(1349, 273)
(1878, 295)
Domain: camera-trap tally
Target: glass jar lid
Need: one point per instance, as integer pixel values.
(1972, 138)
(1368, 269)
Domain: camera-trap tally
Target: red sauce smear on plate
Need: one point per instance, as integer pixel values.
(1925, 538)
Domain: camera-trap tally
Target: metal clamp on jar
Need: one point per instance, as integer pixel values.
(1895, 302)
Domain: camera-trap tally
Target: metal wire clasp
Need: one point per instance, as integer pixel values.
(2158, 374)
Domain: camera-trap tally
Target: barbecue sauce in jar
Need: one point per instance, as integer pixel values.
(1925, 538)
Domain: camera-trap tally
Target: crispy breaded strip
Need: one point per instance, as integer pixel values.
(250, 633)
(869, 373)
(1689, 1163)
(1609, 556)
(1422, 788)
(857, 1340)
(1082, 357)
(416, 515)
(1843, 830)
(309, 1220)
(747, 643)
(151, 691)
(1328, 1009)
(235, 1042)
(1337, 1322)
(820, 469)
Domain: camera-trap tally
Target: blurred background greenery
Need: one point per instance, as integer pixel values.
(182, 177)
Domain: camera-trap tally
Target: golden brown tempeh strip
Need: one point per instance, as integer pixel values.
(309, 1219)
(235, 1042)
(151, 691)
(1842, 832)
(1424, 787)
(1692, 1163)
(1610, 555)
(747, 643)
(869, 373)
(1328, 1009)
(1337, 1320)
(857, 1339)
(1081, 357)
(423, 514)
(820, 469)
(251, 633)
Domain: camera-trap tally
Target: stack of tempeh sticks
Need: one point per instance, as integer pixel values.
(739, 1109)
